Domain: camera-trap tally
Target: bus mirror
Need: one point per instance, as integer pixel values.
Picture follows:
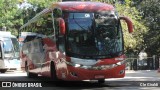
(57, 13)
(129, 23)
(62, 26)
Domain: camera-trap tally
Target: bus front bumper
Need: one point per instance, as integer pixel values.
(78, 74)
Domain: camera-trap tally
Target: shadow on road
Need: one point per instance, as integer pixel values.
(46, 82)
(70, 84)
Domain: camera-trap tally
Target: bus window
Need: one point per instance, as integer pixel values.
(61, 42)
(16, 47)
(37, 46)
(25, 48)
(8, 49)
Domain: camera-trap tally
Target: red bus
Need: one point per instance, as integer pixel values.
(76, 41)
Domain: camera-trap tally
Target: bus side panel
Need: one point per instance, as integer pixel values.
(27, 57)
(50, 48)
(66, 72)
(23, 56)
(61, 67)
(84, 74)
(52, 54)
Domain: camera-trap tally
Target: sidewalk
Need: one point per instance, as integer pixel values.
(139, 75)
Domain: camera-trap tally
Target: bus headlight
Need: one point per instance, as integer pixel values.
(77, 65)
(121, 62)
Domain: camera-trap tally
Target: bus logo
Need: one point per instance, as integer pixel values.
(6, 84)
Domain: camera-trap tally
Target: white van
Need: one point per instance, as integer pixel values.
(9, 52)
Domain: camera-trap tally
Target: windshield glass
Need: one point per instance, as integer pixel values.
(8, 48)
(16, 47)
(93, 35)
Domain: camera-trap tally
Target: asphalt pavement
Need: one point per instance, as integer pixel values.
(134, 80)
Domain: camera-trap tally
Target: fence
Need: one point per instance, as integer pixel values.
(149, 63)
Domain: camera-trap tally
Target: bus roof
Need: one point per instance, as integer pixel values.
(81, 6)
(72, 6)
(28, 33)
(6, 34)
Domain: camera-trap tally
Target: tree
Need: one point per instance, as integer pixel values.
(13, 17)
(150, 11)
(9, 16)
(133, 42)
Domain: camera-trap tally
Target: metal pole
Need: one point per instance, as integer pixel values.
(154, 57)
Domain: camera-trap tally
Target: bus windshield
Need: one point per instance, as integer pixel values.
(8, 48)
(93, 35)
(16, 47)
(11, 48)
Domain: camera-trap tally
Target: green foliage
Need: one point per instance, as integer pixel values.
(150, 11)
(13, 17)
(37, 6)
(133, 42)
(41, 3)
(8, 14)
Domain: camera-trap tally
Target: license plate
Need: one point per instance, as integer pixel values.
(99, 76)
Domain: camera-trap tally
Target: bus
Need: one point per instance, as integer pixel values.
(9, 52)
(82, 41)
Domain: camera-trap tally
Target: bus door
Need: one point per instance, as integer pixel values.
(37, 54)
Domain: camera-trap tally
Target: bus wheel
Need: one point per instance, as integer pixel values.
(53, 72)
(29, 74)
(101, 81)
(3, 71)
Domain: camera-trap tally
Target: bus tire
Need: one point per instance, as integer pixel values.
(26, 67)
(3, 70)
(29, 74)
(53, 72)
(101, 81)
(32, 75)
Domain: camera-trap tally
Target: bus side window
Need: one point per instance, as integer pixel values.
(61, 43)
(25, 48)
(41, 45)
(37, 45)
(60, 38)
(56, 32)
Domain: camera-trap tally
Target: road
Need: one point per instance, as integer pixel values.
(134, 80)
